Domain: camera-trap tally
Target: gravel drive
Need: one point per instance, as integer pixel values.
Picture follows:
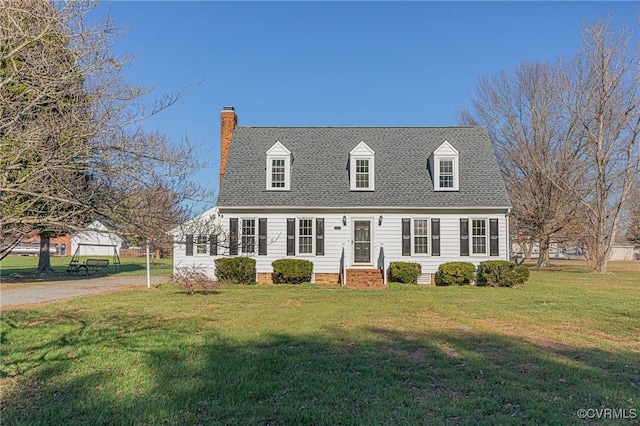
(29, 294)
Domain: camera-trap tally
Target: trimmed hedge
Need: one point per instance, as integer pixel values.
(501, 273)
(235, 270)
(292, 271)
(405, 272)
(455, 273)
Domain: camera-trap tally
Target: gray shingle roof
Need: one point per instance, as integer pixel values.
(319, 175)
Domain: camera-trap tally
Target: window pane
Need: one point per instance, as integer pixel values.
(446, 181)
(277, 173)
(420, 236)
(479, 236)
(446, 167)
(248, 235)
(201, 244)
(362, 173)
(305, 233)
(446, 173)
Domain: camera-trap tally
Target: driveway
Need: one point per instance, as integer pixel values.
(13, 296)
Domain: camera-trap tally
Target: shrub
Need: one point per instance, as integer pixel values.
(501, 273)
(292, 271)
(455, 273)
(235, 270)
(523, 271)
(193, 279)
(405, 272)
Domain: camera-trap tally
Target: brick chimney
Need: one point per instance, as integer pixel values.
(228, 121)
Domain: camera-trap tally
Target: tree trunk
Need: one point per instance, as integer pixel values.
(44, 259)
(543, 259)
(599, 254)
(527, 248)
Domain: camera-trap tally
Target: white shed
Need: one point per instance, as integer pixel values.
(96, 240)
(623, 252)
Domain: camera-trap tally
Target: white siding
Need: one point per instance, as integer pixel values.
(449, 240)
(203, 262)
(97, 234)
(387, 236)
(622, 253)
(206, 221)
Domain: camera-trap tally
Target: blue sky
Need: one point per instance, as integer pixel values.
(336, 63)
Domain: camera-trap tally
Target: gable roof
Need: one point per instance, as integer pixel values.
(320, 175)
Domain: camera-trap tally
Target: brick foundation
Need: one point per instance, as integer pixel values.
(322, 278)
(264, 278)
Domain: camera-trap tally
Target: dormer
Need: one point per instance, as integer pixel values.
(444, 166)
(362, 168)
(278, 168)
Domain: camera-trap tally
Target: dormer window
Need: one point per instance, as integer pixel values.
(445, 168)
(278, 168)
(446, 173)
(277, 173)
(362, 168)
(362, 174)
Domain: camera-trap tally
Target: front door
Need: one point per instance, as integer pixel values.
(362, 241)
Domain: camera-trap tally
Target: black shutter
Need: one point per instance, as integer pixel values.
(493, 238)
(291, 237)
(189, 245)
(213, 244)
(233, 236)
(435, 237)
(406, 237)
(464, 237)
(262, 236)
(319, 237)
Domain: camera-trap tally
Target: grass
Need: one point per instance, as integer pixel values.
(23, 268)
(309, 354)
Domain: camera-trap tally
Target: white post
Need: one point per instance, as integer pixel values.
(148, 268)
(384, 267)
(344, 267)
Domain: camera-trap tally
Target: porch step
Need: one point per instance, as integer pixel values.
(365, 278)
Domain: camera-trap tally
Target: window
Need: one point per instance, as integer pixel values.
(277, 173)
(420, 236)
(362, 174)
(278, 168)
(201, 244)
(308, 233)
(446, 173)
(416, 234)
(362, 168)
(444, 168)
(478, 236)
(248, 235)
(305, 236)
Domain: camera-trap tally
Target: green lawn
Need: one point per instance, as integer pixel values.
(271, 355)
(23, 267)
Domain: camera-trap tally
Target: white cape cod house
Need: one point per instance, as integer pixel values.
(354, 199)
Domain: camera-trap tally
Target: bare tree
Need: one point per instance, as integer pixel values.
(42, 122)
(71, 141)
(633, 215)
(529, 131)
(148, 214)
(603, 94)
